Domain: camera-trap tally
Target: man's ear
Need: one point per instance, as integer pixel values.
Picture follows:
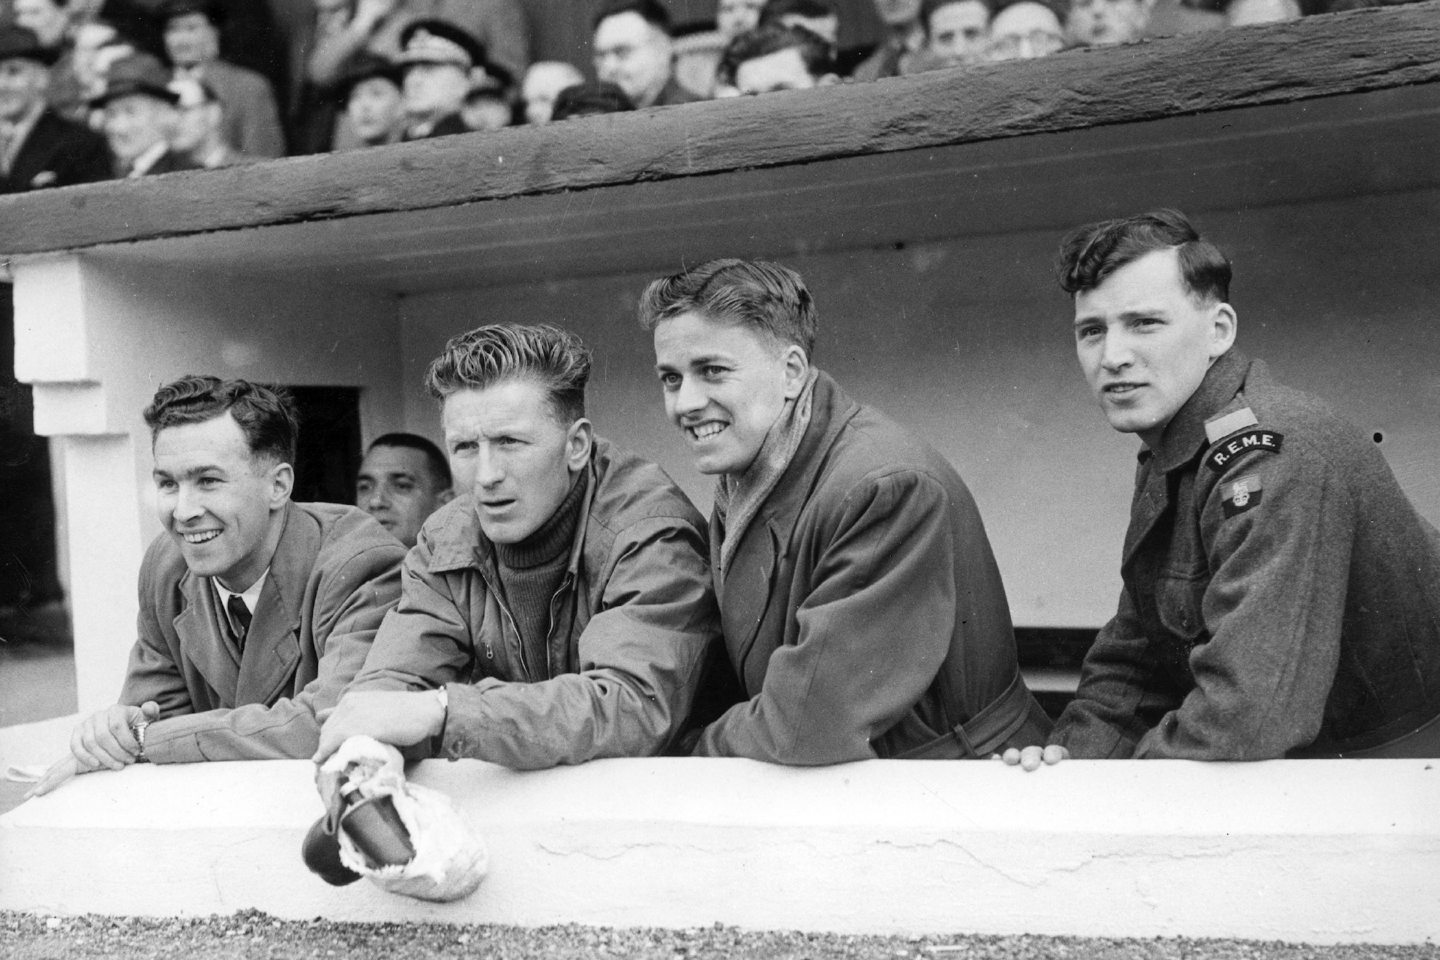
(1224, 324)
(797, 370)
(579, 440)
(282, 481)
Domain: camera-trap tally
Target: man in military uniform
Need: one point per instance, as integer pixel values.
(1282, 595)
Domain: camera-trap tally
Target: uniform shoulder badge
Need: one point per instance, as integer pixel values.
(1240, 495)
(1255, 438)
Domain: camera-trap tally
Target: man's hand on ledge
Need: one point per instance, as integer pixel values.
(1030, 758)
(396, 717)
(105, 739)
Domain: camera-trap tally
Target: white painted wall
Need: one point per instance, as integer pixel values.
(97, 334)
(1337, 851)
(968, 342)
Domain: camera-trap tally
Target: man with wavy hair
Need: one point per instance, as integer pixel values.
(559, 608)
(255, 611)
(862, 608)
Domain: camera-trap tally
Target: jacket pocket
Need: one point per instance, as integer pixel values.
(1178, 600)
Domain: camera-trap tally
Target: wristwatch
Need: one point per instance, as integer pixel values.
(138, 728)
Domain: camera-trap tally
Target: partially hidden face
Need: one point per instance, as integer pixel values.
(433, 90)
(633, 55)
(222, 506)
(507, 447)
(46, 17)
(397, 487)
(898, 13)
(135, 123)
(22, 86)
(1144, 342)
(1025, 31)
(1101, 22)
(543, 83)
(773, 72)
(959, 31)
(376, 110)
(725, 385)
(734, 17)
(191, 39)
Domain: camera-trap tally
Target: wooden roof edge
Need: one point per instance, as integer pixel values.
(1319, 56)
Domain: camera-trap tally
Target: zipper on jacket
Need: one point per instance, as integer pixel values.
(550, 632)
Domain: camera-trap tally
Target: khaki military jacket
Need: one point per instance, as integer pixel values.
(1281, 593)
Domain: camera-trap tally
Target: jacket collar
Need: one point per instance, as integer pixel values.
(1184, 437)
(272, 647)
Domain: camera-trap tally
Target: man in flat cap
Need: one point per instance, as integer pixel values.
(441, 62)
(140, 118)
(39, 148)
(192, 41)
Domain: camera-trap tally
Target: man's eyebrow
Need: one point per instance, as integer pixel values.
(188, 474)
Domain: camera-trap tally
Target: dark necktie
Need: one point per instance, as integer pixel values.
(239, 617)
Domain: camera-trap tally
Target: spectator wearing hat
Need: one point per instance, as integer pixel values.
(373, 101)
(904, 38)
(589, 99)
(200, 127)
(440, 63)
(542, 84)
(140, 118)
(775, 58)
(490, 104)
(1024, 30)
(38, 147)
(1100, 23)
(343, 28)
(633, 49)
(192, 42)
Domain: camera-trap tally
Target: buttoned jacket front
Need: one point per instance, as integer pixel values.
(1281, 593)
(630, 627)
(334, 575)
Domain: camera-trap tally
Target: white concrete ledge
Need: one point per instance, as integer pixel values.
(1312, 851)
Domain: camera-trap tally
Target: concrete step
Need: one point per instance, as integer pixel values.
(1309, 851)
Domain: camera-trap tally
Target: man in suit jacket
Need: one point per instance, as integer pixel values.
(255, 612)
(38, 148)
(192, 41)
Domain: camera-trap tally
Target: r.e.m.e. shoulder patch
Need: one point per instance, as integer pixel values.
(1240, 495)
(1255, 438)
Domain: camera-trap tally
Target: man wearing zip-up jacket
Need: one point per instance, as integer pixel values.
(560, 608)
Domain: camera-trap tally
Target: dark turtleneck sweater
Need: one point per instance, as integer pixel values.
(532, 570)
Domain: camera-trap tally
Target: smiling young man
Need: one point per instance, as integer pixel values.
(1281, 595)
(402, 480)
(560, 607)
(861, 605)
(254, 611)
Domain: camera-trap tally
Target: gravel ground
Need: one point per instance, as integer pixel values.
(251, 934)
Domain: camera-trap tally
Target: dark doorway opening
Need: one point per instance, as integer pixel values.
(28, 572)
(328, 450)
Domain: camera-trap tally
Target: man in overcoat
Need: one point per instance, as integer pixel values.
(862, 609)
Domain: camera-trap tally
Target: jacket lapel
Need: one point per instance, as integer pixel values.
(204, 641)
(272, 647)
(749, 582)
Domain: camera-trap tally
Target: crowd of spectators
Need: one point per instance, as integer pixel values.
(92, 89)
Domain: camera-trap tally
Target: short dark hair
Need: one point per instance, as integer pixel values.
(766, 296)
(772, 38)
(809, 9)
(651, 11)
(266, 414)
(928, 8)
(487, 355)
(1091, 253)
(434, 459)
